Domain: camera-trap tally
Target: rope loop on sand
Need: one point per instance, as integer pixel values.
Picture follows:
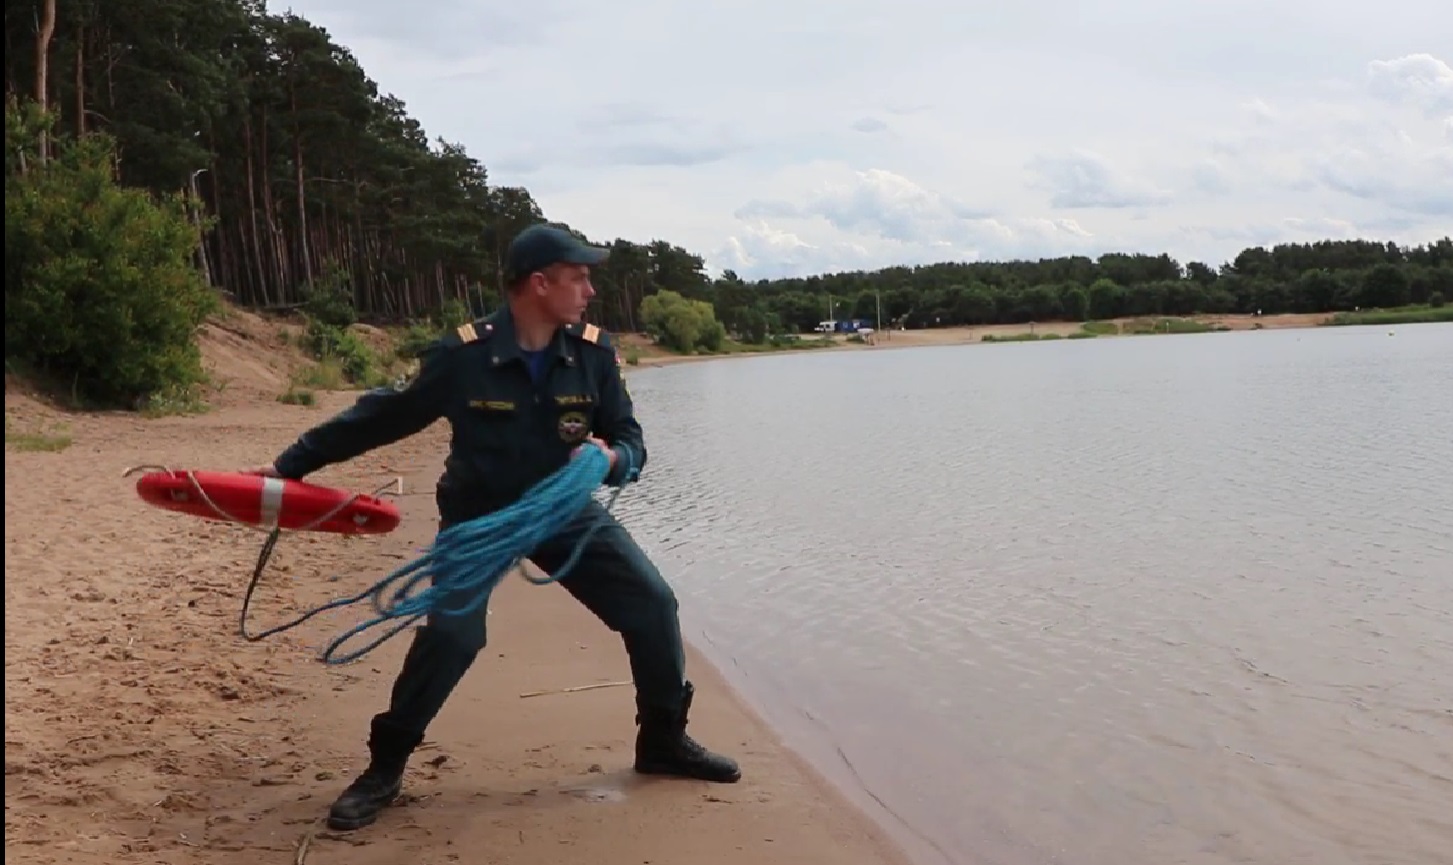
(273, 531)
(465, 562)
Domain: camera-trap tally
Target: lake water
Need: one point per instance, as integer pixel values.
(1160, 600)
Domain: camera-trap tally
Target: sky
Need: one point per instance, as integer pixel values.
(789, 138)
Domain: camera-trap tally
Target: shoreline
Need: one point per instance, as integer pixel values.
(820, 756)
(140, 729)
(647, 354)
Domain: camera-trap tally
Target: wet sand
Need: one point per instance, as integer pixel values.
(140, 728)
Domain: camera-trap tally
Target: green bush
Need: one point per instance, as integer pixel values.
(328, 299)
(452, 313)
(682, 325)
(1436, 300)
(330, 313)
(328, 342)
(102, 293)
(417, 337)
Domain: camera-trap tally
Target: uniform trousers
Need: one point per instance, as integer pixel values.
(613, 578)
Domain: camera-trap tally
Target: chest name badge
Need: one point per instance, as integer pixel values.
(492, 404)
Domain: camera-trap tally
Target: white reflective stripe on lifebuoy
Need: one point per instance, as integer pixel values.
(272, 501)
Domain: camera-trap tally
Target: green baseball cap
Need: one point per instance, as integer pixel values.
(542, 245)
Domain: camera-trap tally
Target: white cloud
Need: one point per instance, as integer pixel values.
(1420, 79)
(1084, 179)
(878, 217)
(875, 201)
(774, 139)
(1259, 111)
(757, 243)
(1405, 174)
(1210, 176)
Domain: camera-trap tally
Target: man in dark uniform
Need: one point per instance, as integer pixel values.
(523, 389)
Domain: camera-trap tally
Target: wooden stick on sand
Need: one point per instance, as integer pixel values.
(301, 857)
(574, 689)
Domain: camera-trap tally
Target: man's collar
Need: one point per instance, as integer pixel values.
(506, 346)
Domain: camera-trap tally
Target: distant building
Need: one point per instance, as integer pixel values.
(851, 325)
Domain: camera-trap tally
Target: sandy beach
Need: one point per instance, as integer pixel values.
(140, 728)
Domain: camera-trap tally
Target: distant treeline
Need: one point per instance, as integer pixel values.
(1317, 277)
(296, 171)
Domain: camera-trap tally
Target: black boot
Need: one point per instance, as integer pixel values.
(380, 783)
(663, 748)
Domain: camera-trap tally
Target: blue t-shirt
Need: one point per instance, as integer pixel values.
(536, 362)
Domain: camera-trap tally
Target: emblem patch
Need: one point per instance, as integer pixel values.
(573, 427)
(406, 378)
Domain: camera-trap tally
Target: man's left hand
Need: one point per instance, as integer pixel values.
(600, 443)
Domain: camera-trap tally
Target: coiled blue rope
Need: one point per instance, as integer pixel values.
(468, 560)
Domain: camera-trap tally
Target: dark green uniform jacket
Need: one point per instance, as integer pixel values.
(509, 430)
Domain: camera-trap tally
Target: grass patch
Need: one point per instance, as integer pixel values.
(326, 374)
(414, 338)
(793, 342)
(342, 350)
(1170, 325)
(778, 342)
(1092, 329)
(298, 396)
(1016, 337)
(36, 441)
(1398, 315)
(174, 401)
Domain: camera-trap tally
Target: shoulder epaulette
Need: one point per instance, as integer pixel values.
(590, 333)
(472, 331)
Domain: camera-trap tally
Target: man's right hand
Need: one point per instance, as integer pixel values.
(267, 471)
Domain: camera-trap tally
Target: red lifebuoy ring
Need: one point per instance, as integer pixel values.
(268, 502)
